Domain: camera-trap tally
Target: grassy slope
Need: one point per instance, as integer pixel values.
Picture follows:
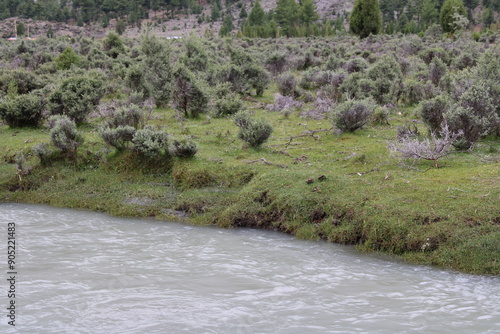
(366, 198)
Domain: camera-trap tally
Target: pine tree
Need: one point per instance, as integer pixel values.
(257, 14)
(21, 29)
(287, 13)
(308, 12)
(366, 18)
(243, 12)
(215, 11)
(488, 17)
(227, 26)
(429, 12)
(447, 19)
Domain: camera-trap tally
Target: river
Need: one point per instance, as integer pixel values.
(85, 272)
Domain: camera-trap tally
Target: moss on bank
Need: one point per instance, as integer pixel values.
(340, 188)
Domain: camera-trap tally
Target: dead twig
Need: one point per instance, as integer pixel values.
(265, 162)
(307, 133)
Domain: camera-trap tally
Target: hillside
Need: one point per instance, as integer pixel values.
(197, 18)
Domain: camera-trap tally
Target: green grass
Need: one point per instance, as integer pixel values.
(359, 195)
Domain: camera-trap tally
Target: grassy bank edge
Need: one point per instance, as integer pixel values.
(209, 193)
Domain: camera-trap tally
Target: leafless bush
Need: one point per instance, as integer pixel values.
(321, 108)
(407, 131)
(432, 148)
(283, 103)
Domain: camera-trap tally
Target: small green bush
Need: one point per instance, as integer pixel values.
(356, 65)
(118, 137)
(190, 94)
(437, 69)
(352, 114)
(64, 135)
(130, 115)
(257, 77)
(183, 147)
(253, 131)
(387, 79)
(19, 81)
(113, 45)
(287, 84)
(43, 152)
(475, 114)
(22, 110)
(432, 112)
(276, 63)
(380, 116)
(151, 143)
(67, 58)
(77, 96)
(228, 105)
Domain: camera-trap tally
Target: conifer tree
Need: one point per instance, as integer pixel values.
(257, 14)
(429, 12)
(447, 19)
(308, 12)
(227, 26)
(366, 18)
(243, 12)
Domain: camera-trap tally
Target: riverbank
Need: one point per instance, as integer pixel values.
(344, 188)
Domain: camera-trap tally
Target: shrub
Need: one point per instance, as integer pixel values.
(135, 79)
(183, 147)
(432, 112)
(130, 115)
(357, 86)
(387, 80)
(276, 63)
(19, 81)
(195, 58)
(77, 96)
(22, 110)
(307, 80)
(380, 116)
(352, 115)
(67, 58)
(428, 55)
(64, 135)
(465, 60)
(233, 75)
(416, 91)
(333, 63)
(190, 95)
(113, 45)
(151, 143)
(437, 69)
(287, 84)
(282, 103)
(257, 78)
(356, 65)
(43, 152)
(156, 78)
(475, 114)
(118, 137)
(427, 149)
(253, 131)
(228, 105)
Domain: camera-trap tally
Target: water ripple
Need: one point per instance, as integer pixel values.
(82, 272)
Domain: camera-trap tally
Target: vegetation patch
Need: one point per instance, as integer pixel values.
(385, 143)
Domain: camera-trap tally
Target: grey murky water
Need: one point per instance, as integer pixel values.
(83, 272)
